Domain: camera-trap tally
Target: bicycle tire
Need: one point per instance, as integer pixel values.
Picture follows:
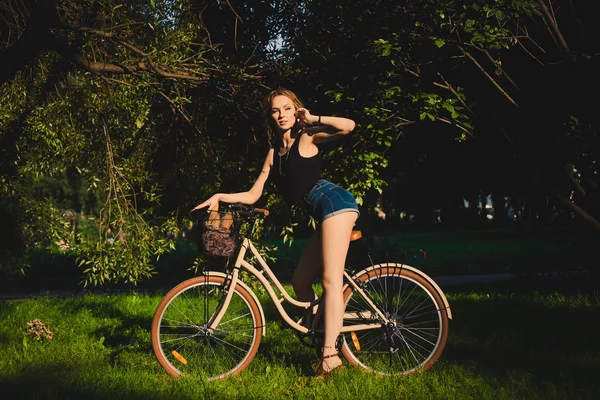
(184, 346)
(417, 330)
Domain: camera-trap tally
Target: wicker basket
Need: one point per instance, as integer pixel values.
(219, 235)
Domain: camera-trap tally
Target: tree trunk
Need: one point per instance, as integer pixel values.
(30, 42)
(578, 211)
(500, 209)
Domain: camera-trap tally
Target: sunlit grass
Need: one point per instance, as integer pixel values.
(502, 345)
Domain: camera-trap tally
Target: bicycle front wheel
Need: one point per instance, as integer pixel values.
(183, 342)
(415, 334)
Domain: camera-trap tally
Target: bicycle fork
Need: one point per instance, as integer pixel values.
(215, 319)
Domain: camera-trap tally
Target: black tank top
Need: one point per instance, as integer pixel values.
(295, 175)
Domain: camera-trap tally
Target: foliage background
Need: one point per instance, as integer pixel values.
(117, 118)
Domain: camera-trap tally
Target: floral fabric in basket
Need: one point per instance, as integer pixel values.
(218, 240)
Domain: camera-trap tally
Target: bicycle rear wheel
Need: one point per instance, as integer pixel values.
(182, 341)
(416, 333)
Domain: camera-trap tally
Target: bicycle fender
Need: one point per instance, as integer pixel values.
(414, 270)
(250, 291)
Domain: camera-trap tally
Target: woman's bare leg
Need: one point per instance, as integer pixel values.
(308, 269)
(335, 239)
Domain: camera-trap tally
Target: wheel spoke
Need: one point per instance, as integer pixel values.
(182, 341)
(415, 333)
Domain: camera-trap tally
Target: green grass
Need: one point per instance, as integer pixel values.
(503, 344)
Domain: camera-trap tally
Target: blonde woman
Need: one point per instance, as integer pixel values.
(294, 165)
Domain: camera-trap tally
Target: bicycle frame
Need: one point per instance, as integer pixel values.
(395, 318)
(271, 280)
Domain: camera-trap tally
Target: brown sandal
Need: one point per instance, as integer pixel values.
(320, 371)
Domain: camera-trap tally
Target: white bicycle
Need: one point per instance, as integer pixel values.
(210, 326)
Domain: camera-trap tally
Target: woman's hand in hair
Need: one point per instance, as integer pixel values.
(305, 118)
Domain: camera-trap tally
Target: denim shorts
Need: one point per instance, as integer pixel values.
(327, 199)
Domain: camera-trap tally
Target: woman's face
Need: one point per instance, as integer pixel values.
(283, 112)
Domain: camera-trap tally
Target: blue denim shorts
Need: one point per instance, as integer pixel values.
(327, 199)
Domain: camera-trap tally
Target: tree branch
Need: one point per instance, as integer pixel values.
(491, 79)
(571, 174)
(29, 43)
(498, 65)
(553, 26)
(462, 128)
(449, 87)
(146, 65)
(577, 210)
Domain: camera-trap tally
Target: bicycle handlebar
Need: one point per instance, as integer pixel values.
(262, 211)
(246, 210)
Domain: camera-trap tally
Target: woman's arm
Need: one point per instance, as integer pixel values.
(324, 128)
(249, 197)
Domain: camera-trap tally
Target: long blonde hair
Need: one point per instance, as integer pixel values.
(269, 122)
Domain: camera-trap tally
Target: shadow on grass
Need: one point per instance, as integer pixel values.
(282, 343)
(73, 381)
(542, 329)
(122, 331)
(531, 333)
